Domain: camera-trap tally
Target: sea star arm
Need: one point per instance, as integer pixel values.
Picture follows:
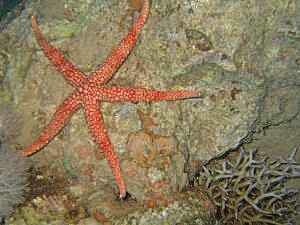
(71, 73)
(59, 120)
(119, 54)
(99, 133)
(122, 94)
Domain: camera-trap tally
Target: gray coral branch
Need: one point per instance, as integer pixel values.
(254, 191)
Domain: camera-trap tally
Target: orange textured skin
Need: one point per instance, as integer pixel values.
(89, 93)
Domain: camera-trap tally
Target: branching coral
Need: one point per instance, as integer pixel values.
(254, 191)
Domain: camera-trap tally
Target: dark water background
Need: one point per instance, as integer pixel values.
(9, 9)
(6, 6)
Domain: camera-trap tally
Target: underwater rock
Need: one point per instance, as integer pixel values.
(163, 59)
(229, 56)
(189, 207)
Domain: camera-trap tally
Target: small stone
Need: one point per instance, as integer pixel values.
(90, 221)
(198, 40)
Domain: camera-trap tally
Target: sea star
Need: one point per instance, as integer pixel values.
(90, 92)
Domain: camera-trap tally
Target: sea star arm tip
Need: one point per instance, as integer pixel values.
(100, 136)
(119, 54)
(59, 119)
(71, 73)
(123, 94)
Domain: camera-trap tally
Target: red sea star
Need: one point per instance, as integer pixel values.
(90, 92)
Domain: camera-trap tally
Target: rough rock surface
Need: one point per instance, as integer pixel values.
(243, 56)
